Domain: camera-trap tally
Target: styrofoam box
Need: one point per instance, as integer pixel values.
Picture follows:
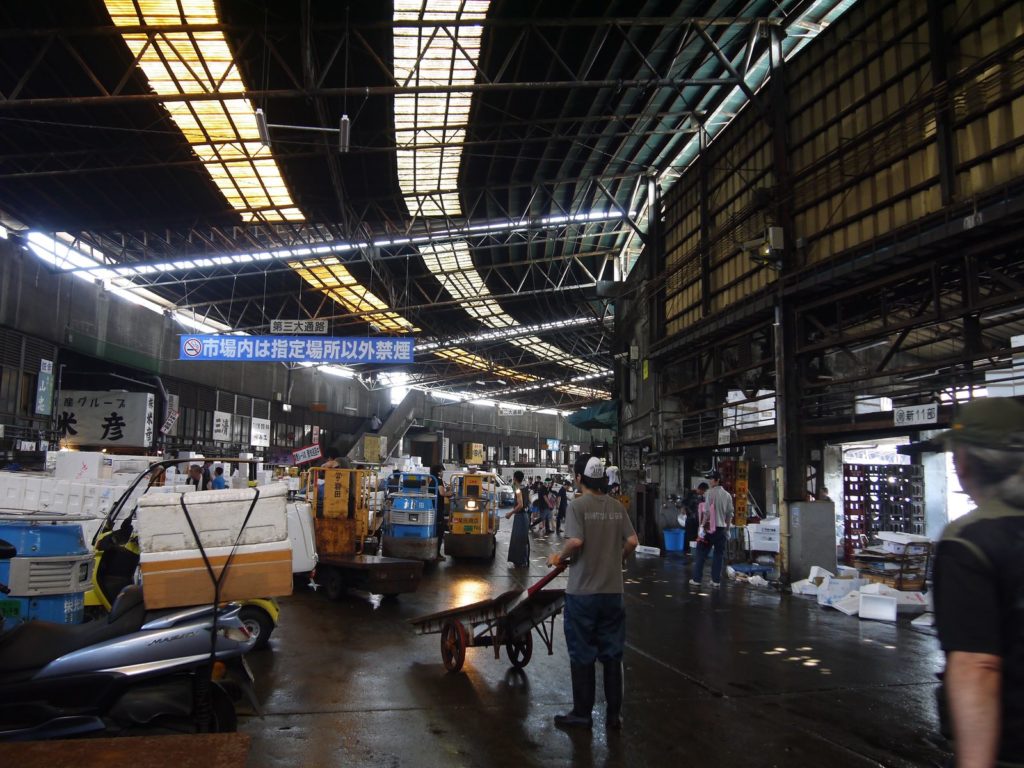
(832, 589)
(217, 515)
(12, 490)
(53, 499)
(79, 465)
(877, 607)
(896, 542)
(33, 486)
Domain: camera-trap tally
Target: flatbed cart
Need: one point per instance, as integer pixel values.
(507, 620)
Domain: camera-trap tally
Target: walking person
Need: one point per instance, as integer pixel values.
(443, 493)
(715, 518)
(519, 542)
(979, 598)
(549, 502)
(563, 503)
(599, 537)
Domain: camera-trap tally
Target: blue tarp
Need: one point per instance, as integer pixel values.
(601, 416)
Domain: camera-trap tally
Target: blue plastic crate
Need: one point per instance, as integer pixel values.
(412, 531)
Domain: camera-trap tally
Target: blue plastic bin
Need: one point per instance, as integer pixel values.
(674, 539)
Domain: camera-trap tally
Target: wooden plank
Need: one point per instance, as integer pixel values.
(224, 750)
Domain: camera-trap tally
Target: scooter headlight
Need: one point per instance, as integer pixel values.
(238, 634)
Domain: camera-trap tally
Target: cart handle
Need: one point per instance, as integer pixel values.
(547, 579)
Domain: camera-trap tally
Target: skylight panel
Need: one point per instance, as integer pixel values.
(433, 129)
(470, 360)
(332, 278)
(428, 56)
(586, 392)
(223, 134)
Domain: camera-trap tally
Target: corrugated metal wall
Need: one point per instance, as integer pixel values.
(739, 164)
(862, 128)
(988, 106)
(864, 148)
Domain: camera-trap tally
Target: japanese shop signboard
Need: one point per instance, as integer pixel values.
(293, 349)
(260, 433)
(124, 419)
(44, 389)
(309, 453)
(913, 415)
(221, 426)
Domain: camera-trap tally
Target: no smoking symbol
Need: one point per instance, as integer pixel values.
(193, 347)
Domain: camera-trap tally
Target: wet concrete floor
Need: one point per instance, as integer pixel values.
(733, 677)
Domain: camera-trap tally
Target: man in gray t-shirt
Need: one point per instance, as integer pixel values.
(599, 536)
(601, 522)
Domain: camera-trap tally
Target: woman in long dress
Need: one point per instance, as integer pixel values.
(519, 543)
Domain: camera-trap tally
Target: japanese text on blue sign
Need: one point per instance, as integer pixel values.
(283, 349)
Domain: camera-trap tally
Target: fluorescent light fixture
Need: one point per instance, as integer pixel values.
(337, 370)
(3, 232)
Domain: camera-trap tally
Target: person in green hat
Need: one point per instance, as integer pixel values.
(979, 586)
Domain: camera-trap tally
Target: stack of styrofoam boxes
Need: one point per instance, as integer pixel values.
(173, 570)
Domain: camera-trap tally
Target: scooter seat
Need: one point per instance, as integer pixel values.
(36, 643)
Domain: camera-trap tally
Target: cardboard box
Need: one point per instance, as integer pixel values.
(762, 538)
(177, 579)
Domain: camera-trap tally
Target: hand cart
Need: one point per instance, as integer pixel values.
(507, 620)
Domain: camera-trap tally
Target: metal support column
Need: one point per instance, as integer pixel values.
(945, 137)
(704, 191)
(655, 261)
(790, 434)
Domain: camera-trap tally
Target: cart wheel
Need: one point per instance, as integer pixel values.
(520, 650)
(454, 640)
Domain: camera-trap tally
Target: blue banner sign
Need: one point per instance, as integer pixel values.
(296, 349)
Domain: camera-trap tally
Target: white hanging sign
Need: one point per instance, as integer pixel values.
(309, 453)
(913, 415)
(260, 433)
(106, 418)
(221, 426)
(298, 326)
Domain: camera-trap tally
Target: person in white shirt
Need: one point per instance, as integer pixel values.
(715, 516)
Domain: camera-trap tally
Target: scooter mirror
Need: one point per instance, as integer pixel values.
(7, 550)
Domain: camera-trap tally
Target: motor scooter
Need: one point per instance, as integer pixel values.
(171, 673)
